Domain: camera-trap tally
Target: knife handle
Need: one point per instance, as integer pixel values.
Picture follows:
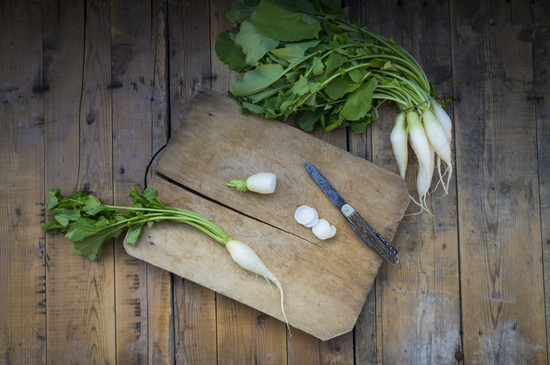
(369, 234)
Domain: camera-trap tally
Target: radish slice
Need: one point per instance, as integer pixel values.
(306, 216)
(324, 230)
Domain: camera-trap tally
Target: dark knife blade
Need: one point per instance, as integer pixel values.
(358, 223)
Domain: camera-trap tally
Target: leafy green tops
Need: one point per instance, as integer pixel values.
(306, 58)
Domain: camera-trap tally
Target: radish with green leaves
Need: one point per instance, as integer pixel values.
(314, 63)
(88, 223)
(261, 183)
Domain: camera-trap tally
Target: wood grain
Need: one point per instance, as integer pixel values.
(66, 284)
(87, 316)
(143, 293)
(540, 96)
(472, 283)
(501, 260)
(420, 296)
(22, 251)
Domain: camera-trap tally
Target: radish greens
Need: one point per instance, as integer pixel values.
(308, 60)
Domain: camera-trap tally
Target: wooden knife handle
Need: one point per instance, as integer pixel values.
(369, 235)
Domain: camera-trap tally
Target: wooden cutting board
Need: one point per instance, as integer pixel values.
(325, 282)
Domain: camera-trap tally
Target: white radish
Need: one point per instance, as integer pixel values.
(438, 139)
(324, 230)
(306, 216)
(262, 183)
(398, 138)
(425, 154)
(249, 260)
(443, 118)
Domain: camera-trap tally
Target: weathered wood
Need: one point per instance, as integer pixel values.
(269, 338)
(22, 251)
(159, 282)
(59, 72)
(499, 212)
(143, 300)
(283, 151)
(242, 341)
(189, 59)
(409, 299)
(65, 283)
(540, 95)
(80, 303)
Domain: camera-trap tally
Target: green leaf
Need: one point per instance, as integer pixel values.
(257, 79)
(53, 199)
(93, 205)
(88, 236)
(229, 52)
(334, 61)
(359, 103)
(253, 108)
(253, 43)
(289, 54)
(134, 232)
(358, 75)
(278, 22)
(240, 10)
(317, 66)
(340, 86)
(301, 86)
(307, 120)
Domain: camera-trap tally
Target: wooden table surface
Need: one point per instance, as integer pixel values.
(89, 91)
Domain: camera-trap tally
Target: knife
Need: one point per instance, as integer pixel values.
(359, 225)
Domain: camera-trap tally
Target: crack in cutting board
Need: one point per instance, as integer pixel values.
(325, 282)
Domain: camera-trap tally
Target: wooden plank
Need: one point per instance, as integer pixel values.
(143, 300)
(499, 211)
(426, 301)
(540, 96)
(189, 59)
(364, 341)
(159, 282)
(81, 320)
(243, 333)
(204, 124)
(22, 259)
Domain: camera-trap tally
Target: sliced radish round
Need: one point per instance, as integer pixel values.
(323, 230)
(306, 216)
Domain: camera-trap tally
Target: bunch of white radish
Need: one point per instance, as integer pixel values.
(308, 217)
(429, 132)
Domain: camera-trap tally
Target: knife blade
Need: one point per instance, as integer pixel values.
(358, 223)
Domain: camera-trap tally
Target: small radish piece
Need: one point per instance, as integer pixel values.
(262, 183)
(398, 138)
(444, 119)
(324, 230)
(438, 139)
(243, 255)
(425, 155)
(306, 216)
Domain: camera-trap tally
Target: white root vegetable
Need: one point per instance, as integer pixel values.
(440, 143)
(443, 118)
(324, 230)
(306, 216)
(425, 154)
(398, 138)
(243, 255)
(262, 183)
